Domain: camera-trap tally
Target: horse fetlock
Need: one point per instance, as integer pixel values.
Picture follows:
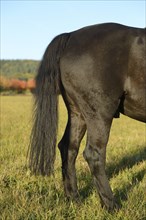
(108, 203)
(70, 191)
(70, 186)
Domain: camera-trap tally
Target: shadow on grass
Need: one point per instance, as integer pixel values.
(112, 169)
(127, 161)
(88, 189)
(122, 193)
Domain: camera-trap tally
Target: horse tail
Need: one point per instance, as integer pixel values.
(42, 149)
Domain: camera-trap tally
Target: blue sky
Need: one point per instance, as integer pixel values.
(28, 26)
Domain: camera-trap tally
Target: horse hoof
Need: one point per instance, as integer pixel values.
(73, 197)
(114, 207)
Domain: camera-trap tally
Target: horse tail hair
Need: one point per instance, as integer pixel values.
(42, 149)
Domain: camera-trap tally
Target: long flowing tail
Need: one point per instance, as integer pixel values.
(43, 138)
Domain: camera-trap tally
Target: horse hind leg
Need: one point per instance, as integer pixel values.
(95, 155)
(69, 146)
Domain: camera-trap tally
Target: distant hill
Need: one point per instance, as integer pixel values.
(22, 69)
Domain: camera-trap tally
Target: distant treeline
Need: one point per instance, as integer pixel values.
(13, 86)
(17, 76)
(19, 69)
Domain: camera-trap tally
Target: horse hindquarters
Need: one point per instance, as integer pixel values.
(93, 72)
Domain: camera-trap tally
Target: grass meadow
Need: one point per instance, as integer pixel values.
(23, 196)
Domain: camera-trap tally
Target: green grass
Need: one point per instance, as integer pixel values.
(23, 196)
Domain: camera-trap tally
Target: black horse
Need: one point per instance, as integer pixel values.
(100, 71)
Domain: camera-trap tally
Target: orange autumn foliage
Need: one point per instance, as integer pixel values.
(17, 85)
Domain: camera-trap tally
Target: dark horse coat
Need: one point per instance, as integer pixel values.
(100, 71)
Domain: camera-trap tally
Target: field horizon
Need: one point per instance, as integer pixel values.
(25, 196)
